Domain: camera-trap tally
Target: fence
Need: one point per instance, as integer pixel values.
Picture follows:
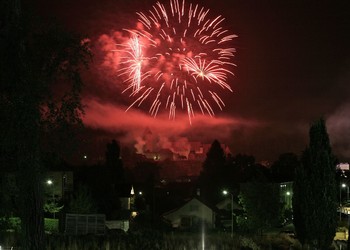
(80, 224)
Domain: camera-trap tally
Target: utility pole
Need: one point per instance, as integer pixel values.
(225, 192)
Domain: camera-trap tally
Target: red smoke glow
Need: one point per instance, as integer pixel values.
(133, 123)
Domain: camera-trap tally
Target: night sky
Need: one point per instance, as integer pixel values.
(293, 67)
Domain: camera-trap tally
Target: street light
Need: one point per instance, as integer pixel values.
(50, 183)
(343, 185)
(288, 199)
(225, 192)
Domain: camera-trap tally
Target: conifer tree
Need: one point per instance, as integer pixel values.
(314, 191)
(114, 163)
(211, 177)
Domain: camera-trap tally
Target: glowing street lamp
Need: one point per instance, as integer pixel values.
(225, 192)
(343, 185)
(288, 199)
(50, 183)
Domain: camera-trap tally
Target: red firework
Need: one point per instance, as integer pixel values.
(176, 57)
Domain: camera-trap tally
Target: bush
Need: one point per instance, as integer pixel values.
(14, 224)
(51, 225)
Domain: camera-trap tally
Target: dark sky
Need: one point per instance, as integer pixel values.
(293, 66)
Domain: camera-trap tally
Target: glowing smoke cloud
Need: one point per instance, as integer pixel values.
(176, 58)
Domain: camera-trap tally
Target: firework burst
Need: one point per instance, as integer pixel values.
(176, 58)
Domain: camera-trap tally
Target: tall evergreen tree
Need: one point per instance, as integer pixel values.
(114, 163)
(314, 191)
(35, 57)
(212, 176)
(215, 159)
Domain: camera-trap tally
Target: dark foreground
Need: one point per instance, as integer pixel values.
(150, 240)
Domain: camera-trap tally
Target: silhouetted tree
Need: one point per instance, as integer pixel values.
(8, 197)
(104, 192)
(106, 181)
(262, 206)
(52, 206)
(244, 165)
(215, 158)
(247, 170)
(212, 177)
(40, 86)
(243, 161)
(114, 163)
(283, 169)
(314, 191)
(82, 201)
(238, 169)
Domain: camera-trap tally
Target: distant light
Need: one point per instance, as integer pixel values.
(343, 166)
(343, 185)
(203, 237)
(225, 192)
(49, 182)
(85, 156)
(288, 193)
(140, 192)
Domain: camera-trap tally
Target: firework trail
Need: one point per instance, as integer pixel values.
(176, 58)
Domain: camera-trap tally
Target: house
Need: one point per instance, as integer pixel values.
(226, 215)
(226, 205)
(191, 214)
(126, 193)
